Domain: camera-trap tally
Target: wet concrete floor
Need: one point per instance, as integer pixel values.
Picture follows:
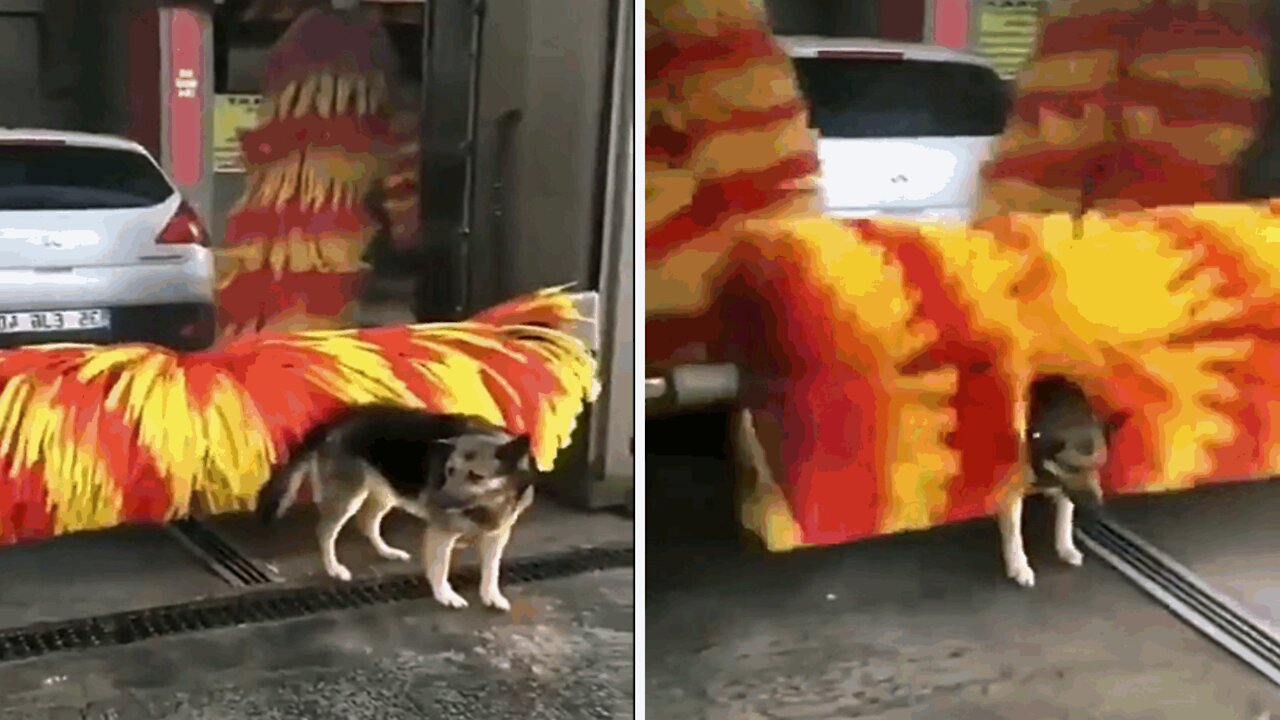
(566, 652)
(925, 626)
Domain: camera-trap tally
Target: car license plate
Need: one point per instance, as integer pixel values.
(54, 321)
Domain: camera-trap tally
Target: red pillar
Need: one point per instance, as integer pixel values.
(170, 81)
(185, 79)
(951, 23)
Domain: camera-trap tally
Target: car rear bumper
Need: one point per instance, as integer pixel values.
(188, 278)
(920, 215)
(169, 302)
(181, 326)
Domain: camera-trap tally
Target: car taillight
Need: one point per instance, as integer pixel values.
(184, 228)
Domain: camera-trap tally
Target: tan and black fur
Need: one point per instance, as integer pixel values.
(1066, 448)
(467, 478)
(487, 485)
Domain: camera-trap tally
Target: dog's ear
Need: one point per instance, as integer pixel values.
(515, 453)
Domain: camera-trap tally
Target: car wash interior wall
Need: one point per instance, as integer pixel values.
(541, 138)
(888, 19)
(100, 66)
(1260, 177)
(64, 64)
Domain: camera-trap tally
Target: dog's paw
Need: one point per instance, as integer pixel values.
(339, 572)
(450, 598)
(496, 600)
(1020, 572)
(1071, 555)
(391, 553)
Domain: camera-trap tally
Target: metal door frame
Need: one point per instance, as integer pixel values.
(598, 469)
(611, 435)
(450, 107)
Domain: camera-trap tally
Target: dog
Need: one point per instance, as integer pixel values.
(468, 479)
(1067, 448)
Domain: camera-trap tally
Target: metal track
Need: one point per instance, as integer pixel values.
(273, 605)
(1176, 587)
(221, 558)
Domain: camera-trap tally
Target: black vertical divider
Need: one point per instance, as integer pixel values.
(451, 69)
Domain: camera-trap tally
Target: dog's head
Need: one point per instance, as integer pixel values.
(1073, 459)
(479, 465)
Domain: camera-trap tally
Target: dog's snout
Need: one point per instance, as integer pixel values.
(449, 501)
(1090, 453)
(474, 476)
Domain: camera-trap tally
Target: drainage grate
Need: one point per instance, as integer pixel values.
(1179, 589)
(261, 606)
(224, 560)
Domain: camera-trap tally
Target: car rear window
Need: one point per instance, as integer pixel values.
(66, 177)
(880, 98)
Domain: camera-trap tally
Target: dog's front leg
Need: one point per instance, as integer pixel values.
(491, 546)
(1063, 537)
(1015, 554)
(437, 555)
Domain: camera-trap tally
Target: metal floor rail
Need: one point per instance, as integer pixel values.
(219, 556)
(1182, 592)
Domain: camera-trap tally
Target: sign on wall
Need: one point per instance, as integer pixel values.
(1007, 31)
(186, 134)
(231, 115)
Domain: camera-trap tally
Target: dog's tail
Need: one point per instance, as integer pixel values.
(281, 490)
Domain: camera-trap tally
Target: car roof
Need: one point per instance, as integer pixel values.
(811, 45)
(78, 139)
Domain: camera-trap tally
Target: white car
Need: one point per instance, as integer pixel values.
(98, 246)
(903, 128)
